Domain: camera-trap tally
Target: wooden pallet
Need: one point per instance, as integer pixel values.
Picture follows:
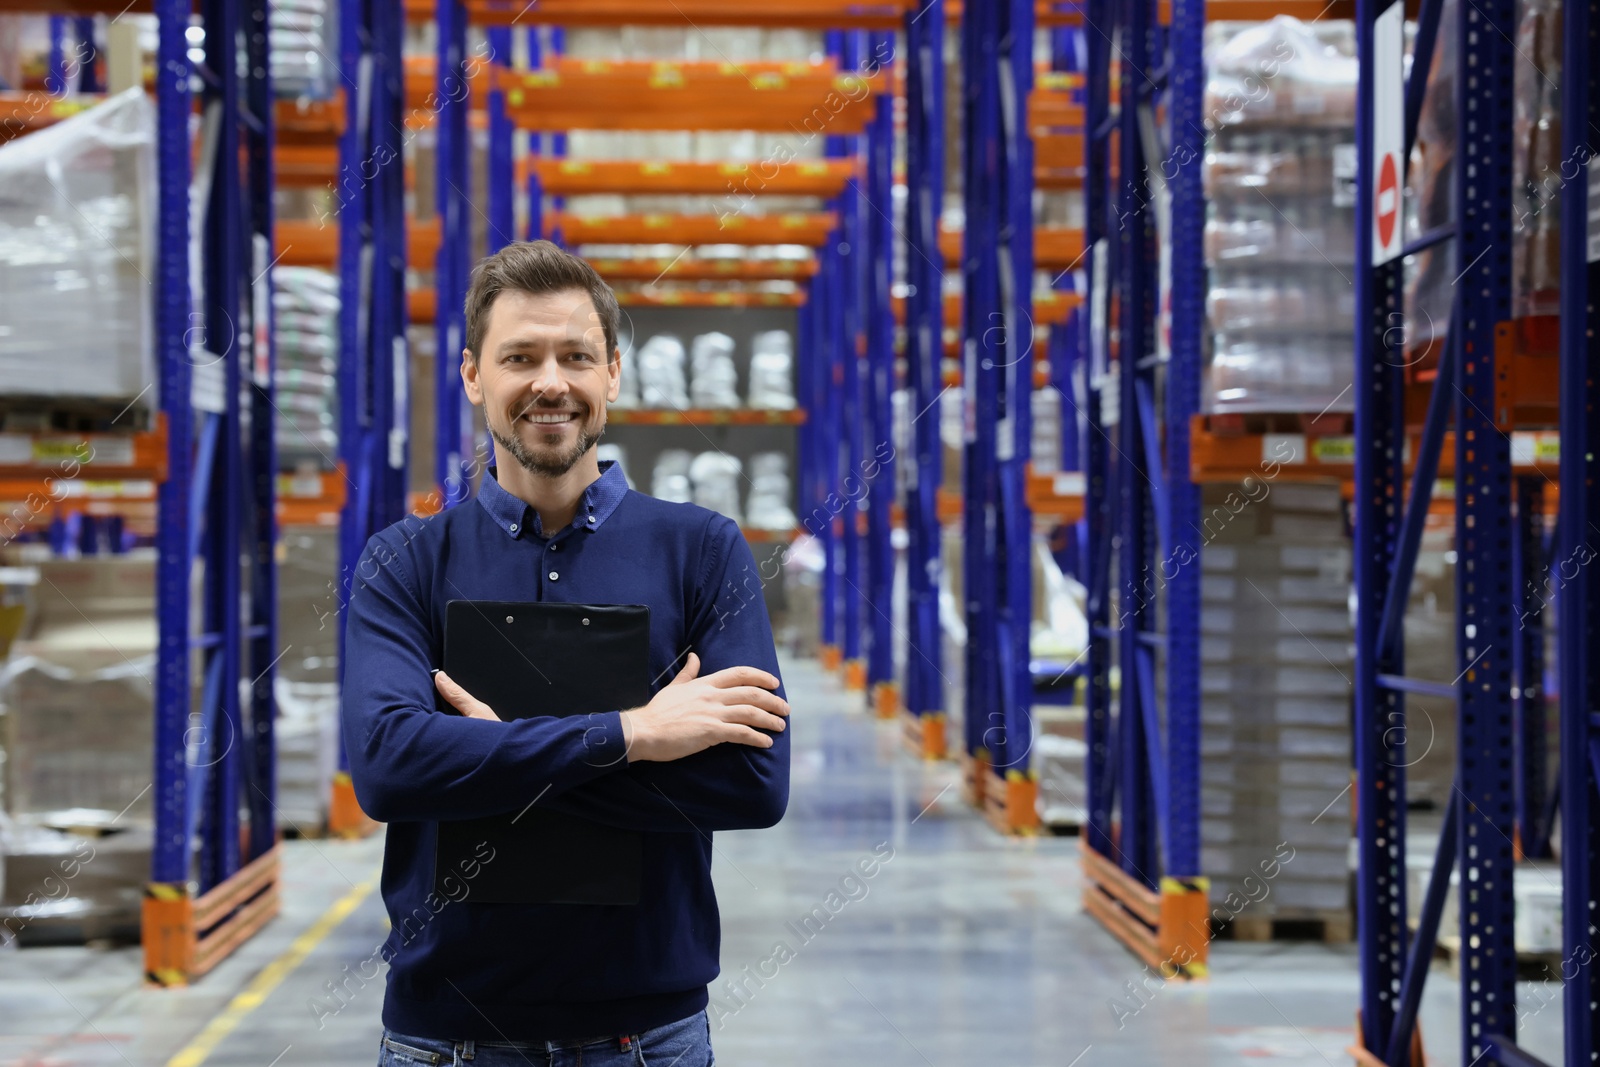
(1239, 424)
(1329, 927)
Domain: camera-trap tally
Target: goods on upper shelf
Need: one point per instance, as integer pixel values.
(1280, 233)
(1429, 273)
(772, 371)
(767, 507)
(305, 303)
(670, 479)
(661, 374)
(1537, 164)
(303, 39)
(715, 476)
(713, 380)
(76, 200)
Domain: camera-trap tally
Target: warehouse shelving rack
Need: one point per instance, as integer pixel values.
(1142, 842)
(373, 252)
(562, 93)
(1496, 388)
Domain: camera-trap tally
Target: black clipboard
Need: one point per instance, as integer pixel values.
(529, 659)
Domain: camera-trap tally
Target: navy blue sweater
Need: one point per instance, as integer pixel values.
(494, 972)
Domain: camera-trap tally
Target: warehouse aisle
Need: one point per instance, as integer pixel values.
(881, 923)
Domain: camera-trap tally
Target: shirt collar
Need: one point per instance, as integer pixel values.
(514, 516)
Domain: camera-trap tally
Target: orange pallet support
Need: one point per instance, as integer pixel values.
(1049, 309)
(345, 817)
(576, 177)
(1011, 802)
(886, 700)
(1169, 930)
(311, 499)
(185, 936)
(806, 228)
(1261, 10)
(924, 734)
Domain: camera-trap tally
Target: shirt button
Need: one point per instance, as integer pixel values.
(591, 520)
(555, 547)
(554, 576)
(513, 527)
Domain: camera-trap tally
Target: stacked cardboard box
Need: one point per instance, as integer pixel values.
(1276, 674)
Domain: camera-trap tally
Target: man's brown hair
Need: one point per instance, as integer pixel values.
(537, 267)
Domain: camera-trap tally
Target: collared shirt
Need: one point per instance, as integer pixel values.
(515, 516)
(459, 970)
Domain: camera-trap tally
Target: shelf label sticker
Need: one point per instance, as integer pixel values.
(1388, 131)
(1283, 448)
(16, 449)
(1068, 483)
(1528, 448)
(1334, 449)
(1344, 175)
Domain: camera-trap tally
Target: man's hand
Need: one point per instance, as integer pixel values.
(693, 713)
(468, 705)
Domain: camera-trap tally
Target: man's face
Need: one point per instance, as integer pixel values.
(543, 378)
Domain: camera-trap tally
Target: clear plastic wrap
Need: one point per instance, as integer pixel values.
(305, 302)
(772, 371)
(1429, 183)
(713, 381)
(1537, 165)
(716, 477)
(1279, 238)
(767, 506)
(75, 254)
(670, 479)
(661, 377)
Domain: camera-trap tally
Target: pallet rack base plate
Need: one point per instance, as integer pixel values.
(886, 699)
(924, 734)
(186, 936)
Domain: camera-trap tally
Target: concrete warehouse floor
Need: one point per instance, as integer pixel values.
(963, 949)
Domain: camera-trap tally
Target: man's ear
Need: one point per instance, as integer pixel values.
(469, 378)
(614, 372)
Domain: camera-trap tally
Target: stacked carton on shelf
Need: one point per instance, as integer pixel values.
(1276, 677)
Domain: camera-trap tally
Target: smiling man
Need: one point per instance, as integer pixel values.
(551, 984)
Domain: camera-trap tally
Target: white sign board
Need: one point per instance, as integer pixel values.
(1388, 131)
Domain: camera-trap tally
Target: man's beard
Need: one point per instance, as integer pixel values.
(537, 464)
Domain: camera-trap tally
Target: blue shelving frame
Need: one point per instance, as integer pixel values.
(877, 463)
(1141, 508)
(374, 361)
(454, 447)
(924, 696)
(1499, 553)
(997, 376)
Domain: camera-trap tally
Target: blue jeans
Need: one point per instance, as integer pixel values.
(685, 1043)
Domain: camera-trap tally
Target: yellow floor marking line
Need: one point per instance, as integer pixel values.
(271, 976)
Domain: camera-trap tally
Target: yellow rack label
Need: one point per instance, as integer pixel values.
(1334, 449)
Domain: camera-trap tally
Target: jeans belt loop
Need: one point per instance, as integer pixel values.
(468, 1050)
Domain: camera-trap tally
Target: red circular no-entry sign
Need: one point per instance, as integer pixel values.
(1387, 205)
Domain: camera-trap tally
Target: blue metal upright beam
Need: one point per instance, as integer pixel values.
(373, 360)
(1099, 489)
(924, 326)
(502, 176)
(170, 855)
(1485, 621)
(453, 415)
(877, 468)
(855, 270)
(1577, 602)
(1379, 480)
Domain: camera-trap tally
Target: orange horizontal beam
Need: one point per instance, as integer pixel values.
(686, 269)
(807, 228)
(704, 417)
(1054, 247)
(703, 298)
(309, 122)
(312, 243)
(792, 14)
(575, 177)
(1054, 109)
(93, 457)
(697, 96)
(305, 166)
(1048, 308)
(1261, 10)
(422, 305)
(1058, 161)
(310, 499)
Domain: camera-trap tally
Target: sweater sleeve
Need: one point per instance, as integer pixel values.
(727, 786)
(410, 762)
